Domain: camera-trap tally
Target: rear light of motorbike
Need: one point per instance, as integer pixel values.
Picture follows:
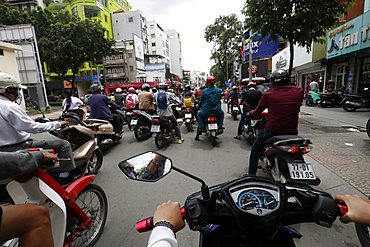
(135, 113)
(156, 121)
(187, 110)
(93, 128)
(235, 103)
(306, 149)
(296, 149)
(211, 119)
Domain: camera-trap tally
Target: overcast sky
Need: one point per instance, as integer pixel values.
(189, 18)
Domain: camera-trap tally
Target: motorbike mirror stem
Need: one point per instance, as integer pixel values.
(204, 188)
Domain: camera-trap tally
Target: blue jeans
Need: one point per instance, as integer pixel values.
(202, 114)
(242, 122)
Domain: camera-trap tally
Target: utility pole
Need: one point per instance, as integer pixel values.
(250, 55)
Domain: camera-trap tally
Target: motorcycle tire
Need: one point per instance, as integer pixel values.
(160, 140)
(348, 107)
(95, 162)
(93, 201)
(142, 131)
(363, 234)
(309, 102)
(324, 105)
(235, 116)
(368, 127)
(213, 141)
(188, 126)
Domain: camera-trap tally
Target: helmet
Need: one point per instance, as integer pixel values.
(95, 87)
(9, 81)
(187, 87)
(163, 86)
(251, 84)
(211, 80)
(235, 88)
(280, 76)
(154, 90)
(131, 90)
(144, 86)
(118, 90)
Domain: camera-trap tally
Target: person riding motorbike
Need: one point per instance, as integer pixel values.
(119, 98)
(131, 99)
(99, 105)
(210, 103)
(283, 102)
(165, 111)
(146, 99)
(73, 104)
(234, 96)
(188, 98)
(35, 229)
(197, 95)
(155, 168)
(17, 126)
(250, 100)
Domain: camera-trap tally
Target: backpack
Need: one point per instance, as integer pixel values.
(130, 104)
(162, 100)
(188, 102)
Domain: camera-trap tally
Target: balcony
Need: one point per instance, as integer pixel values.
(115, 75)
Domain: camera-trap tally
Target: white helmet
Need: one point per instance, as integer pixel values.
(9, 81)
(118, 90)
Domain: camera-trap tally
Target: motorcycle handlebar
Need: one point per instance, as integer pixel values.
(147, 224)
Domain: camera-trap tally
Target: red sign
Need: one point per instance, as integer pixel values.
(254, 69)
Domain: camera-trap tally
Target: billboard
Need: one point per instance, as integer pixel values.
(260, 49)
(139, 52)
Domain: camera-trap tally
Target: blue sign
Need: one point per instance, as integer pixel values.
(94, 78)
(261, 48)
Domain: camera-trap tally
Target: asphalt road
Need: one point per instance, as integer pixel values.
(131, 201)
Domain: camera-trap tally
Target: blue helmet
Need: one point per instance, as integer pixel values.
(144, 86)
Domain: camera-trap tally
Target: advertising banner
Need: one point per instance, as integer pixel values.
(261, 48)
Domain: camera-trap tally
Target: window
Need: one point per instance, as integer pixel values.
(131, 19)
(153, 44)
(152, 35)
(106, 18)
(154, 52)
(157, 79)
(130, 55)
(131, 68)
(75, 11)
(1, 52)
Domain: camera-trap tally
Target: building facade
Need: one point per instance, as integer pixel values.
(175, 53)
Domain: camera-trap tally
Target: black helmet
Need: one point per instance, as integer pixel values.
(280, 76)
(187, 87)
(95, 87)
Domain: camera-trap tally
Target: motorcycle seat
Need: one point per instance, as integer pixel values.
(95, 120)
(284, 139)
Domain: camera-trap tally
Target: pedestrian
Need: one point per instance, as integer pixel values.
(314, 85)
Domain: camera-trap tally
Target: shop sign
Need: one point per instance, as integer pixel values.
(350, 37)
(254, 69)
(261, 48)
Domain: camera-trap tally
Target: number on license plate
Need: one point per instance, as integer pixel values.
(301, 171)
(187, 115)
(155, 128)
(133, 122)
(212, 126)
(235, 108)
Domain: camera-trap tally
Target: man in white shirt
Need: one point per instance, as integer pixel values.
(16, 127)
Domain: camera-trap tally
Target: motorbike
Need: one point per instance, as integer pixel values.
(312, 98)
(352, 102)
(363, 233)
(252, 127)
(333, 98)
(163, 131)
(246, 211)
(235, 110)
(212, 130)
(188, 118)
(141, 123)
(78, 212)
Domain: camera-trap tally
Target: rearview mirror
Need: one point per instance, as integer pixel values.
(148, 167)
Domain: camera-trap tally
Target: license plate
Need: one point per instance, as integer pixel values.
(212, 126)
(133, 122)
(253, 122)
(235, 108)
(187, 115)
(155, 128)
(301, 171)
(178, 108)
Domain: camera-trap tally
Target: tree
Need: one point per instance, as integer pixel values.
(226, 34)
(299, 22)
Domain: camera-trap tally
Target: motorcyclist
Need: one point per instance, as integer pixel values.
(197, 95)
(283, 102)
(155, 168)
(132, 99)
(234, 96)
(101, 108)
(250, 100)
(210, 103)
(119, 98)
(17, 126)
(73, 104)
(35, 229)
(188, 99)
(166, 112)
(146, 99)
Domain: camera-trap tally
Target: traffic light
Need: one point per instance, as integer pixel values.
(240, 54)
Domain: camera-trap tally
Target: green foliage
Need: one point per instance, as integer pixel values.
(299, 22)
(225, 33)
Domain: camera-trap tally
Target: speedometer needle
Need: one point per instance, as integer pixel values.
(269, 203)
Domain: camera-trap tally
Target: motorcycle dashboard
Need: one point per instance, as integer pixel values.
(259, 199)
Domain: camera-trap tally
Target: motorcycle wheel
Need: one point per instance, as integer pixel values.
(235, 116)
(213, 141)
(348, 107)
(95, 162)
(93, 201)
(309, 102)
(188, 126)
(363, 234)
(160, 140)
(324, 105)
(368, 127)
(142, 131)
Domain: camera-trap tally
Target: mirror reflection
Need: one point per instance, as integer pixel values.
(149, 166)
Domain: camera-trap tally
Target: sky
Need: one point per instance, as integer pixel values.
(189, 18)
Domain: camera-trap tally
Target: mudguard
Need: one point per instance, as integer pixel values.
(75, 188)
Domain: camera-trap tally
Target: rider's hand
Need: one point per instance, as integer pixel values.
(170, 212)
(49, 156)
(64, 123)
(358, 209)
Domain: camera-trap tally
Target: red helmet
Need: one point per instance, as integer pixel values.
(211, 80)
(131, 90)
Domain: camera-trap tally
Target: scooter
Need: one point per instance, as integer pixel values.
(252, 127)
(246, 211)
(141, 123)
(312, 98)
(212, 129)
(352, 102)
(235, 110)
(163, 131)
(333, 98)
(189, 118)
(78, 213)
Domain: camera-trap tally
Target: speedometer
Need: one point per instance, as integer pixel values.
(248, 200)
(256, 199)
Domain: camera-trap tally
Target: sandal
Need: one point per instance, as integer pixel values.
(237, 137)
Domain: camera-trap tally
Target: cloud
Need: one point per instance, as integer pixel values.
(190, 19)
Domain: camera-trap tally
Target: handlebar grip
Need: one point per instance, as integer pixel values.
(342, 208)
(147, 224)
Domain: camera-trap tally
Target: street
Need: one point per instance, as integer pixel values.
(340, 158)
